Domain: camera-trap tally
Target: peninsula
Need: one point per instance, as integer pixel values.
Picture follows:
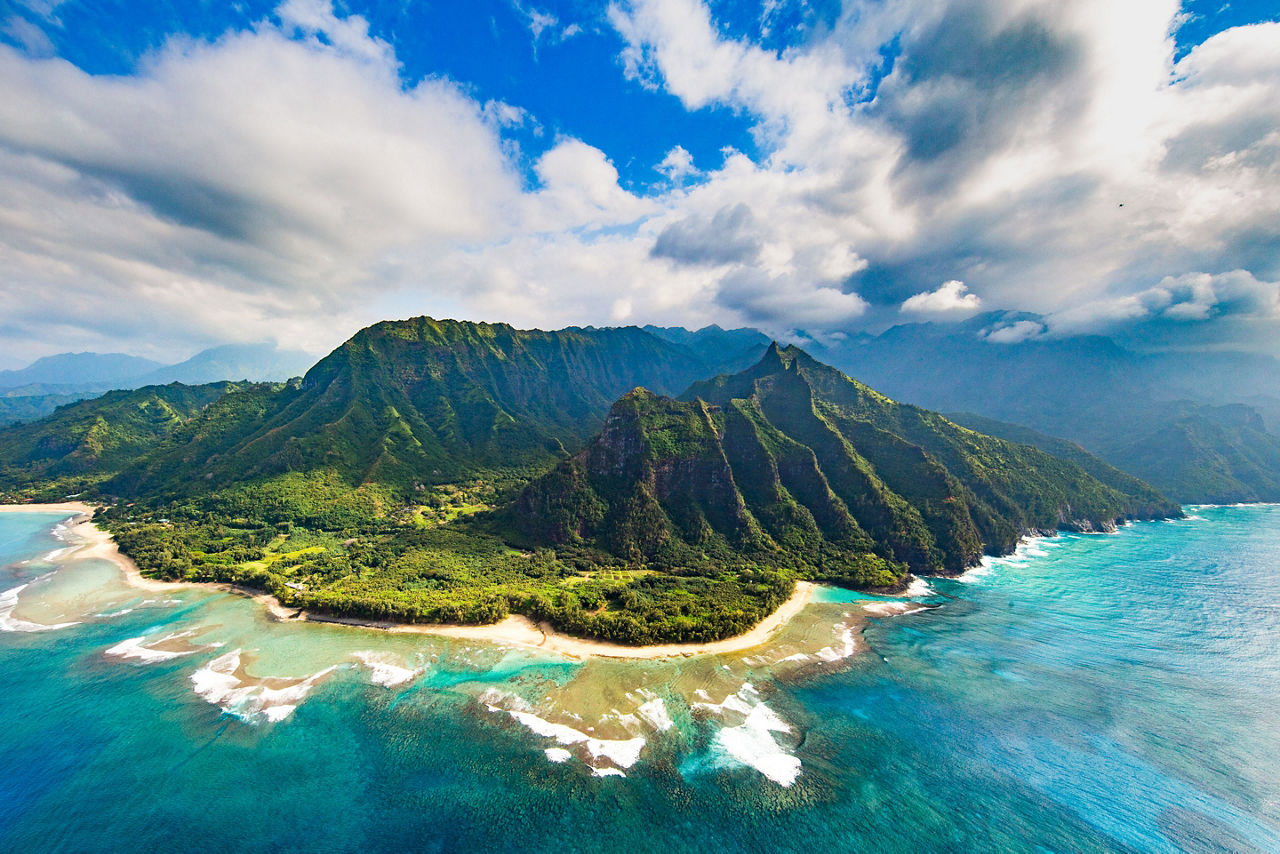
(606, 483)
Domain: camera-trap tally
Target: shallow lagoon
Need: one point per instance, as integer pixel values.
(1089, 693)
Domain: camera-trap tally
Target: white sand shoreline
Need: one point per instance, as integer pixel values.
(515, 630)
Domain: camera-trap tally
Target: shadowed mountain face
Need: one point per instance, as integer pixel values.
(723, 350)
(1211, 455)
(794, 460)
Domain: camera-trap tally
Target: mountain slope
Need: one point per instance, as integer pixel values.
(422, 401)
(88, 441)
(21, 408)
(1215, 455)
(405, 404)
(792, 463)
(1207, 454)
(380, 485)
(56, 381)
(1064, 450)
(721, 350)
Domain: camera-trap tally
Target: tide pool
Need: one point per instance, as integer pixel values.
(1089, 693)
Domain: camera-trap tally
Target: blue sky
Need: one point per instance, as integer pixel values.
(570, 85)
(816, 167)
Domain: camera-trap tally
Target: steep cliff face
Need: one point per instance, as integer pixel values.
(792, 463)
(656, 476)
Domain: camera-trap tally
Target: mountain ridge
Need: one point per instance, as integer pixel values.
(793, 452)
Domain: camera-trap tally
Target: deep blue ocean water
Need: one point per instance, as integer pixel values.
(1092, 693)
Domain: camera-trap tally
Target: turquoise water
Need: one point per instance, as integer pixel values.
(1092, 693)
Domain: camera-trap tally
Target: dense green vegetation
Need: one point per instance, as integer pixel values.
(315, 542)
(434, 471)
(1212, 455)
(20, 408)
(81, 445)
(416, 403)
(793, 464)
(1065, 450)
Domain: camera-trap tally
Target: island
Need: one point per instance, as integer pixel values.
(606, 483)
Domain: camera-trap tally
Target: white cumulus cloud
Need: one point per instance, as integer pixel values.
(952, 297)
(287, 182)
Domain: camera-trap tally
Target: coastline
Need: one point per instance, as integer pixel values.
(96, 543)
(515, 630)
(519, 630)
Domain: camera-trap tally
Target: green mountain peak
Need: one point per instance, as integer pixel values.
(792, 463)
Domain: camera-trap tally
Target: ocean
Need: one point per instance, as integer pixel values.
(1088, 693)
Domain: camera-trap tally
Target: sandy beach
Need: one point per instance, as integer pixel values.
(95, 542)
(515, 630)
(63, 507)
(521, 631)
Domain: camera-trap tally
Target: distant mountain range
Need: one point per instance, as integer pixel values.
(78, 370)
(1201, 427)
(36, 390)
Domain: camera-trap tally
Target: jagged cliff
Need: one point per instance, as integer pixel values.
(791, 463)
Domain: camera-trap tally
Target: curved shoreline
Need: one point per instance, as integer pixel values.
(521, 631)
(515, 630)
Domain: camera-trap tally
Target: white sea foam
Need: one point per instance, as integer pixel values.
(845, 649)
(57, 554)
(606, 771)
(736, 702)
(10, 623)
(626, 720)
(217, 683)
(654, 713)
(918, 587)
(109, 614)
(136, 648)
(752, 742)
(799, 656)
(1027, 548)
(383, 671)
(894, 609)
(623, 752)
(978, 572)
